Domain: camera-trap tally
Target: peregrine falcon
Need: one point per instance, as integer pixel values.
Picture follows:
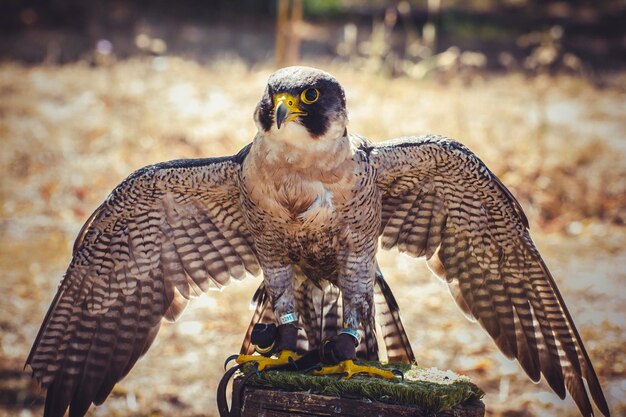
(305, 205)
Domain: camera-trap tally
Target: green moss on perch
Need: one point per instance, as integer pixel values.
(431, 389)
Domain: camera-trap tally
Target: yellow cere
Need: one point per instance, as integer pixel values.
(290, 101)
(293, 111)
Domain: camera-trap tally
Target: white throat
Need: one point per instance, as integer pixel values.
(294, 145)
(289, 173)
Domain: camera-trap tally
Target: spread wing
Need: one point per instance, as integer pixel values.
(167, 232)
(441, 202)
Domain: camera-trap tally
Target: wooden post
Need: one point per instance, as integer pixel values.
(251, 401)
(288, 21)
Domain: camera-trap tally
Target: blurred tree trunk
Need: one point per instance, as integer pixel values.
(288, 19)
(429, 33)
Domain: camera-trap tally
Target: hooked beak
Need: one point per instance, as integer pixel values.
(286, 109)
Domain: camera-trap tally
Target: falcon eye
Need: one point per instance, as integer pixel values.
(310, 95)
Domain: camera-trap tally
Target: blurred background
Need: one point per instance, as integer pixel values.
(90, 91)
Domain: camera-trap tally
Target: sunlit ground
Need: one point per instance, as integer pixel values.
(70, 134)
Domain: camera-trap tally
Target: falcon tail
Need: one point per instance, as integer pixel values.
(388, 318)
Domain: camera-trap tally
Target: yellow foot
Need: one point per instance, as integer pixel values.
(349, 368)
(264, 362)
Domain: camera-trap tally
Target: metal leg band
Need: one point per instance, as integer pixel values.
(353, 333)
(288, 318)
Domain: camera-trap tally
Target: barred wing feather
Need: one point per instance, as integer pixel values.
(441, 202)
(166, 233)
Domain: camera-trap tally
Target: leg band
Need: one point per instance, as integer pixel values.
(288, 318)
(353, 333)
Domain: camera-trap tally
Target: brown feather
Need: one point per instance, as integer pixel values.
(486, 255)
(397, 345)
(139, 258)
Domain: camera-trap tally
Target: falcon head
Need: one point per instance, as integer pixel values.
(301, 104)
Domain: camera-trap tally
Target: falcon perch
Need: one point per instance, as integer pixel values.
(305, 204)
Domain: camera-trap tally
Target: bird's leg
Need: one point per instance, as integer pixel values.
(279, 285)
(284, 349)
(341, 352)
(357, 286)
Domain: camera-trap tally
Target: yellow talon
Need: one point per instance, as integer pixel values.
(349, 368)
(265, 362)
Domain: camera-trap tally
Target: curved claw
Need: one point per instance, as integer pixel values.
(313, 368)
(291, 361)
(399, 373)
(230, 358)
